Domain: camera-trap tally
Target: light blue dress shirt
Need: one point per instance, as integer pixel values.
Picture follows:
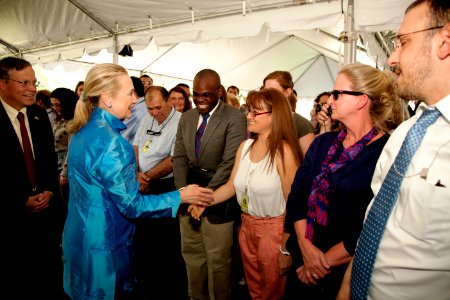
(132, 123)
(155, 148)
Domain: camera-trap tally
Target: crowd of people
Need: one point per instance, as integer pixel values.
(122, 189)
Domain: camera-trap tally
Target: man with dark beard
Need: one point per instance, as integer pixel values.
(404, 248)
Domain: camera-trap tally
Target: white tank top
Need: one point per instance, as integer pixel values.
(265, 195)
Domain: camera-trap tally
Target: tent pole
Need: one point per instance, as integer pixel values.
(350, 44)
(115, 50)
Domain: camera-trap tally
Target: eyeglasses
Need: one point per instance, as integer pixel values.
(253, 113)
(175, 99)
(397, 43)
(204, 95)
(336, 93)
(24, 83)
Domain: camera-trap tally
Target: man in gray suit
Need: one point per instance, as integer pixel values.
(206, 144)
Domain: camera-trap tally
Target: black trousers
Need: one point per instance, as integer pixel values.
(160, 268)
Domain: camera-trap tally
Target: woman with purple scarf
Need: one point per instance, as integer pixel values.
(331, 190)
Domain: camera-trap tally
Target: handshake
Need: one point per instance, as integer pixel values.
(196, 211)
(198, 198)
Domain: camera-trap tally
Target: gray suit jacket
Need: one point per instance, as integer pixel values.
(226, 129)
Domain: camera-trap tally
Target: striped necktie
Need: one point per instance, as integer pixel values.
(199, 135)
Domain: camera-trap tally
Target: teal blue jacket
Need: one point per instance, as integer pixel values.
(104, 200)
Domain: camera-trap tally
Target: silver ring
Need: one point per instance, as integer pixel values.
(314, 276)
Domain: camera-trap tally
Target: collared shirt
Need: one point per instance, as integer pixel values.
(413, 260)
(51, 116)
(152, 149)
(133, 122)
(200, 117)
(12, 114)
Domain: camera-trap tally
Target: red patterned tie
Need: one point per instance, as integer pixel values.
(199, 135)
(27, 152)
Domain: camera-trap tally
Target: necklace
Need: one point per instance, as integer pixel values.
(424, 171)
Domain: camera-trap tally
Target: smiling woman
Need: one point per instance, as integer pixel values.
(104, 191)
(325, 209)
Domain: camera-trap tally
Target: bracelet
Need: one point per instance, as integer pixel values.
(285, 252)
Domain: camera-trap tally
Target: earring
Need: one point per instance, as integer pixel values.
(109, 105)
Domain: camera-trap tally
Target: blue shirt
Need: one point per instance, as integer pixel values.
(158, 144)
(132, 123)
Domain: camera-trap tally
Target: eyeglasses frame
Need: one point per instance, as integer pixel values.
(396, 39)
(25, 83)
(254, 114)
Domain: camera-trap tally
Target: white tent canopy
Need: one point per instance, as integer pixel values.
(173, 39)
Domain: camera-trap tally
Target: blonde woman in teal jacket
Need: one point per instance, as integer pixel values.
(104, 198)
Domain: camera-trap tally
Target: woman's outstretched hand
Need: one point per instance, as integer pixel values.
(196, 211)
(193, 194)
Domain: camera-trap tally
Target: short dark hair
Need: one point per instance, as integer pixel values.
(439, 11)
(78, 85)
(44, 97)
(183, 85)
(68, 99)
(12, 63)
(320, 96)
(233, 87)
(209, 73)
(138, 86)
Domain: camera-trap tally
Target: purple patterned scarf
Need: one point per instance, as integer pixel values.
(318, 199)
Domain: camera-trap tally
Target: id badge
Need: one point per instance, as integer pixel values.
(146, 146)
(244, 203)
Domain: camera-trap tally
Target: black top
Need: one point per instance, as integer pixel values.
(349, 194)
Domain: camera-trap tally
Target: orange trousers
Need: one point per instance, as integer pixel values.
(260, 240)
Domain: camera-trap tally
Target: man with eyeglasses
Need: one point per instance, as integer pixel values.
(205, 147)
(403, 251)
(160, 268)
(147, 81)
(31, 205)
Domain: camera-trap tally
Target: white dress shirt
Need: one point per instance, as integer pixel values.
(413, 259)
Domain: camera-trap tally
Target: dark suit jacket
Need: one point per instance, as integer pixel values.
(225, 131)
(31, 240)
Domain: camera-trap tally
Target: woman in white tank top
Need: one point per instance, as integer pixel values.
(261, 179)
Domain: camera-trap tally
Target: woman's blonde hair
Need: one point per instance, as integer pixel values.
(102, 78)
(387, 110)
(282, 129)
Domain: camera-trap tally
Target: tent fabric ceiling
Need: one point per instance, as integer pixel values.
(176, 38)
(29, 25)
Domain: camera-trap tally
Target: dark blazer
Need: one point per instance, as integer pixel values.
(225, 131)
(31, 240)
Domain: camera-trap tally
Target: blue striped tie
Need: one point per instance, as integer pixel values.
(376, 220)
(199, 134)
